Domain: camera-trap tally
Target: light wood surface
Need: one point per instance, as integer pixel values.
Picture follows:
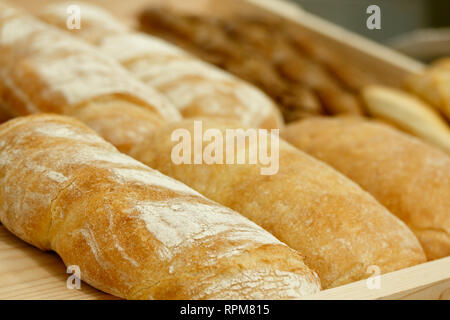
(27, 273)
(427, 281)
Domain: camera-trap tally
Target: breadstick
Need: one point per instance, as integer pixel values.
(340, 229)
(132, 231)
(197, 89)
(408, 113)
(406, 175)
(43, 69)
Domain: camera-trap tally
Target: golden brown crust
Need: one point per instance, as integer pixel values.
(409, 177)
(134, 232)
(339, 228)
(195, 88)
(301, 75)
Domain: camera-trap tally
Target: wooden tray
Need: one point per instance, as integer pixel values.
(27, 273)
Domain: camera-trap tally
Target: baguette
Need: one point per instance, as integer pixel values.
(409, 177)
(340, 229)
(408, 113)
(132, 231)
(43, 69)
(196, 88)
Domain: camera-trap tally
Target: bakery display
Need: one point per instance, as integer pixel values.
(196, 88)
(395, 247)
(409, 177)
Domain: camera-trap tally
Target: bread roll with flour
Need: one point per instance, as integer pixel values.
(134, 232)
(341, 229)
(409, 177)
(43, 69)
(196, 88)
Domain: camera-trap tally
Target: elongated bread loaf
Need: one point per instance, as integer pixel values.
(43, 69)
(194, 87)
(132, 231)
(408, 113)
(411, 178)
(341, 229)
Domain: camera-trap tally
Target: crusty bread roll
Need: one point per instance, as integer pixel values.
(341, 229)
(196, 88)
(433, 85)
(408, 113)
(132, 231)
(409, 177)
(43, 69)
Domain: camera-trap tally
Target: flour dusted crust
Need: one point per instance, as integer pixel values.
(341, 229)
(195, 88)
(44, 69)
(94, 24)
(134, 232)
(409, 177)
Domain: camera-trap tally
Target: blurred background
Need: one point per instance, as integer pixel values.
(419, 28)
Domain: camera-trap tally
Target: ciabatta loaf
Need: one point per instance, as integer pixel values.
(43, 69)
(409, 177)
(433, 85)
(341, 229)
(196, 88)
(132, 231)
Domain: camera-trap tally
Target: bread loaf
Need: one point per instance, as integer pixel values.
(194, 87)
(43, 69)
(341, 229)
(409, 177)
(132, 231)
(408, 113)
(433, 85)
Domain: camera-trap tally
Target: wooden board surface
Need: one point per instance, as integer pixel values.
(27, 273)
